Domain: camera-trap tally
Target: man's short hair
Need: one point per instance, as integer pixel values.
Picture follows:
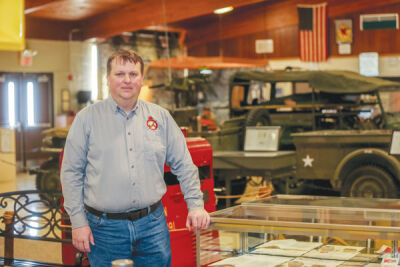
(125, 55)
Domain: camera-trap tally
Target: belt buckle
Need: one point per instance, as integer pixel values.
(132, 216)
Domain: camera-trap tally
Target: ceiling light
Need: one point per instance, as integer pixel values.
(205, 71)
(223, 10)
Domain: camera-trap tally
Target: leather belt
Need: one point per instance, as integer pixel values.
(131, 215)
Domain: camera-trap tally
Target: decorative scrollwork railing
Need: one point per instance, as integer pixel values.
(35, 215)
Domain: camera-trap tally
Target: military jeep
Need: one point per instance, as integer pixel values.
(333, 122)
(301, 101)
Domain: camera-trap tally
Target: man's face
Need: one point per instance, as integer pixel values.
(125, 80)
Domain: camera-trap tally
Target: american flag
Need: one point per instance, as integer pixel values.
(312, 31)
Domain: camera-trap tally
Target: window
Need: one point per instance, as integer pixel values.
(283, 89)
(11, 104)
(30, 94)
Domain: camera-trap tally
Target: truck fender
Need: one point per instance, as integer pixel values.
(363, 155)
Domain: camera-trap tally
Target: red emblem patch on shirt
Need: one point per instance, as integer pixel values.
(152, 124)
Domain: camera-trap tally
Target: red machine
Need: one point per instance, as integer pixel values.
(183, 243)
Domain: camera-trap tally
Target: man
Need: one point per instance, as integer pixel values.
(208, 119)
(112, 173)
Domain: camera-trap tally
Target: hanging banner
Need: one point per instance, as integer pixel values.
(344, 31)
(12, 25)
(313, 32)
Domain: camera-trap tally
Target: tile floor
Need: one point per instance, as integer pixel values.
(24, 248)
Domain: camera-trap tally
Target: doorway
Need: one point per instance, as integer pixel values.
(27, 106)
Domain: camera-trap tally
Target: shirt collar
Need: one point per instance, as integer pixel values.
(116, 108)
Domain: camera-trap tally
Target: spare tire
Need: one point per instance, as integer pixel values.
(258, 117)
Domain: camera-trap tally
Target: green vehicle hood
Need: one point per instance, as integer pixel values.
(335, 82)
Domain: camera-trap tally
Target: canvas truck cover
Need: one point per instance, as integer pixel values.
(334, 82)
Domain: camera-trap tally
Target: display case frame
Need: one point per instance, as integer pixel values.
(312, 217)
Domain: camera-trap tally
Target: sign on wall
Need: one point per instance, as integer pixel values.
(369, 64)
(344, 31)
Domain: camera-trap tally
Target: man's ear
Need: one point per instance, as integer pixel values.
(142, 80)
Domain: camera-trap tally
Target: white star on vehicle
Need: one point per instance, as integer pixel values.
(308, 161)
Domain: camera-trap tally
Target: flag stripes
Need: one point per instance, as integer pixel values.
(312, 32)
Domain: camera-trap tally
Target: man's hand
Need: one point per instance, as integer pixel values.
(197, 219)
(81, 237)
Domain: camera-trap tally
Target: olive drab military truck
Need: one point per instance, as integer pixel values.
(355, 162)
(334, 122)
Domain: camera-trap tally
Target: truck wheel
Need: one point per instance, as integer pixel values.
(258, 117)
(370, 182)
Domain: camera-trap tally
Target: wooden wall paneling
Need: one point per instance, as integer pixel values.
(117, 16)
(287, 42)
(285, 45)
(213, 49)
(246, 24)
(197, 51)
(246, 20)
(381, 41)
(344, 7)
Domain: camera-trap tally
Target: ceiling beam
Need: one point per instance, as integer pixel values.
(55, 29)
(141, 14)
(35, 5)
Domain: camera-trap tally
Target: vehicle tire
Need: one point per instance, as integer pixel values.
(48, 179)
(81, 259)
(370, 182)
(293, 187)
(258, 117)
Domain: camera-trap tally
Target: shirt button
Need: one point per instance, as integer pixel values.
(130, 149)
(127, 118)
(134, 201)
(132, 166)
(133, 184)
(129, 133)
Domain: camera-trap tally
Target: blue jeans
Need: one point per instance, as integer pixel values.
(146, 241)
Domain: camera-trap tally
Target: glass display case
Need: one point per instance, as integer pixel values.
(298, 231)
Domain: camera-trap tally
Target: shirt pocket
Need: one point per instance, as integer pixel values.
(154, 147)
